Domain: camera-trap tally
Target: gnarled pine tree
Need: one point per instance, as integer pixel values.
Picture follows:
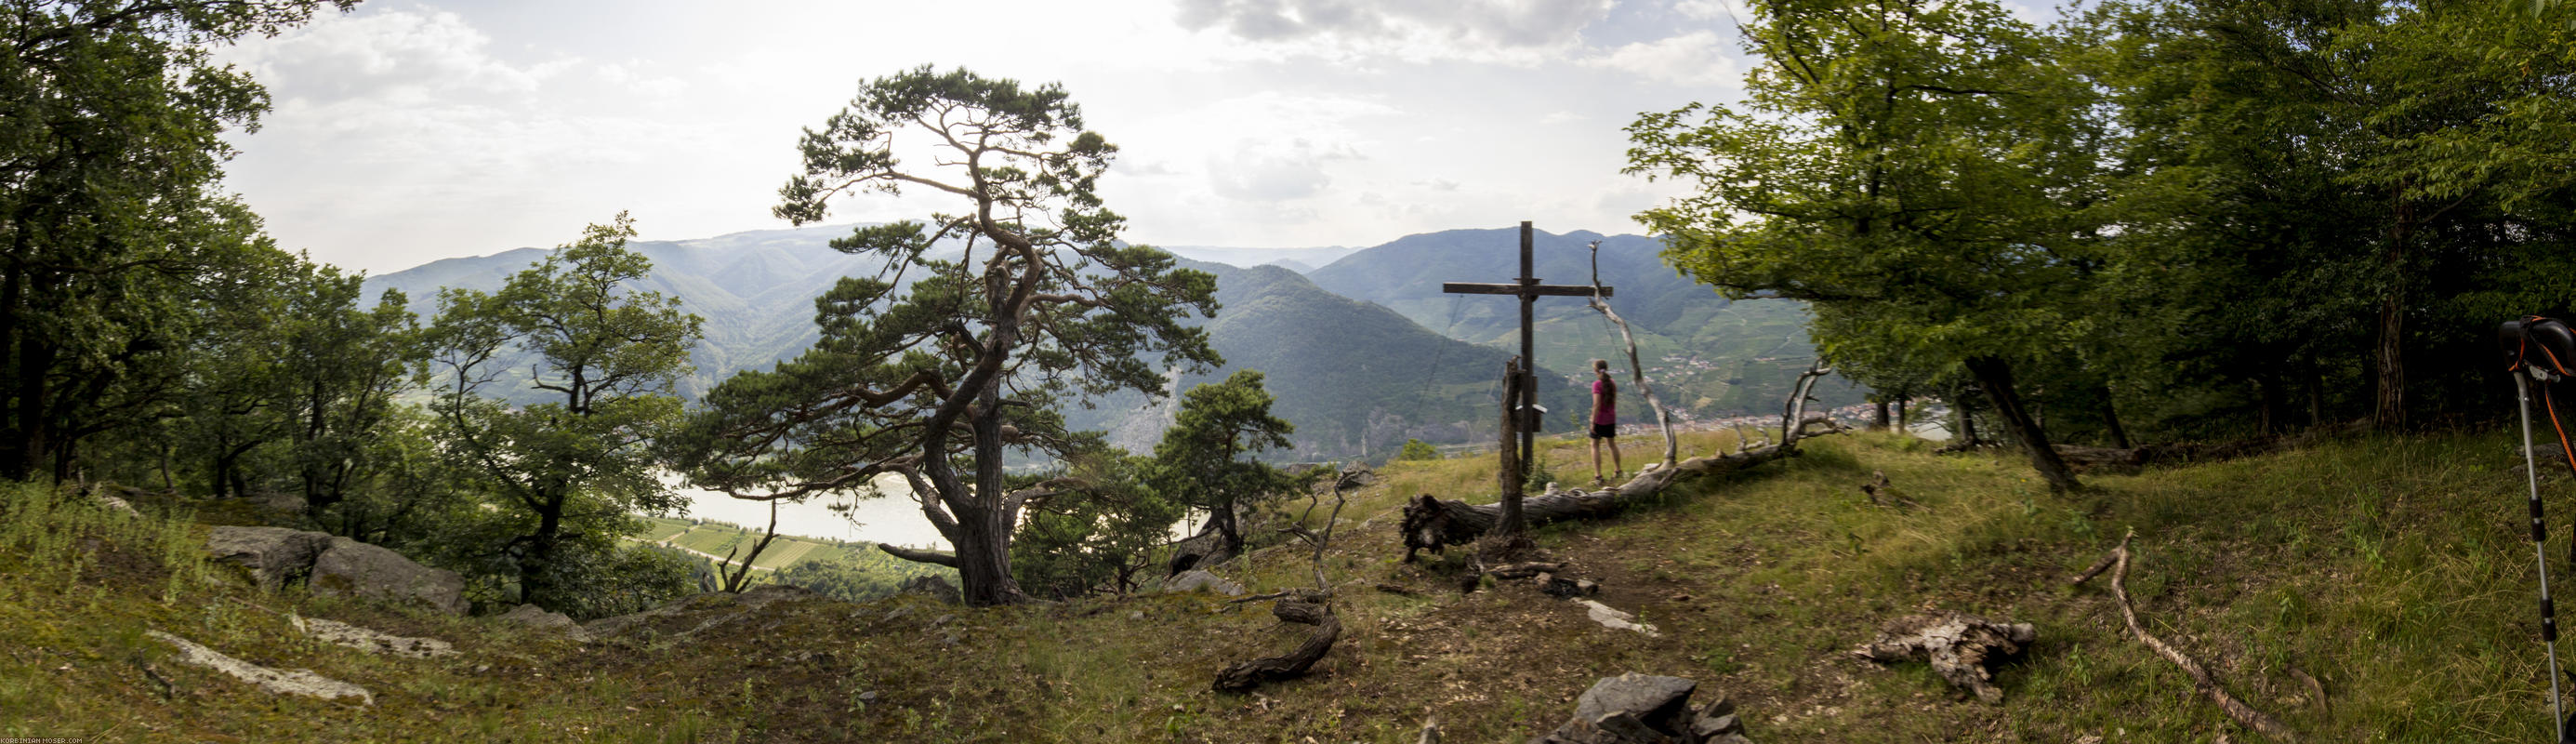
(981, 322)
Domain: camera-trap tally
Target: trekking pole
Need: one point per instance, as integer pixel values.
(2539, 535)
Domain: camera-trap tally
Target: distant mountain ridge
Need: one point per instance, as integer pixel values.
(1356, 353)
(1709, 357)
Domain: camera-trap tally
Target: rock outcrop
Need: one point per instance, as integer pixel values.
(1636, 708)
(371, 640)
(933, 587)
(544, 620)
(277, 556)
(358, 569)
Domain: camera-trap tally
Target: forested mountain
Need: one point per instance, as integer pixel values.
(1355, 377)
(1714, 357)
(755, 289)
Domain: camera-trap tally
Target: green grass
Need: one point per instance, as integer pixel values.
(2395, 570)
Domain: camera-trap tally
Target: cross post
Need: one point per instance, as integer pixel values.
(1528, 290)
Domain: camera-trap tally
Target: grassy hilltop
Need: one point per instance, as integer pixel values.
(2394, 570)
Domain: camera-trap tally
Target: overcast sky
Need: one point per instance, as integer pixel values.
(412, 130)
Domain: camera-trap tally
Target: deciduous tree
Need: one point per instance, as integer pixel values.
(1916, 169)
(573, 467)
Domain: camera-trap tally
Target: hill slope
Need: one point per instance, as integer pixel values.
(2387, 568)
(1356, 378)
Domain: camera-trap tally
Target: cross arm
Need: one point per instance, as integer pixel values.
(1533, 290)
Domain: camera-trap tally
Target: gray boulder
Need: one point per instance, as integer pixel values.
(1636, 708)
(1200, 580)
(274, 555)
(354, 568)
(933, 587)
(546, 621)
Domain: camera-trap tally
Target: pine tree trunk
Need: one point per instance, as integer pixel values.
(984, 561)
(1995, 375)
(1878, 417)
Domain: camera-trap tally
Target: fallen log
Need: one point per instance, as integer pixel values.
(1328, 629)
(1433, 524)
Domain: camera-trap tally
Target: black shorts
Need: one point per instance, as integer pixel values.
(1605, 431)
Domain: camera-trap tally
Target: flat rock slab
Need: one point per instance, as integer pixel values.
(356, 568)
(1615, 618)
(282, 682)
(370, 640)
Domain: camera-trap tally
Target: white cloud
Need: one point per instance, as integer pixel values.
(1502, 31)
(1273, 172)
(399, 55)
(1697, 58)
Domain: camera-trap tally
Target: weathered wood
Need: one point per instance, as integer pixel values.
(920, 556)
(1534, 290)
(1636, 369)
(1434, 524)
(1328, 629)
(2200, 676)
(1959, 647)
(1513, 476)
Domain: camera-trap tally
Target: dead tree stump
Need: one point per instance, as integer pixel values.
(1959, 647)
(1328, 629)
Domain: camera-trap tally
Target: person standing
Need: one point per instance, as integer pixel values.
(1605, 420)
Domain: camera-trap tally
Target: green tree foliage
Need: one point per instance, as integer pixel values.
(1096, 535)
(1911, 168)
(1204, 459)
(110, 148)
(344, 365)
(564, 474)
(937, 379)
(1416, 449)
(857, 575)
(2321, 194)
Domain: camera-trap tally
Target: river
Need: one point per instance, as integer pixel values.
(892, 518)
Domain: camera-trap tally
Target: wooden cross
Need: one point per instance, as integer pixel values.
(1529, 290)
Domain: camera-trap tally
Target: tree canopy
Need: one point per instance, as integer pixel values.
(983, 323)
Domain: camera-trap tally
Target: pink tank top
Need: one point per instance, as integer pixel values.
(1608, 411)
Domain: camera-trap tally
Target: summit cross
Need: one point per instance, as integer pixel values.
(1529, 290)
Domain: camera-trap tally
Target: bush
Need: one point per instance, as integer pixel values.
(1416, 449)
